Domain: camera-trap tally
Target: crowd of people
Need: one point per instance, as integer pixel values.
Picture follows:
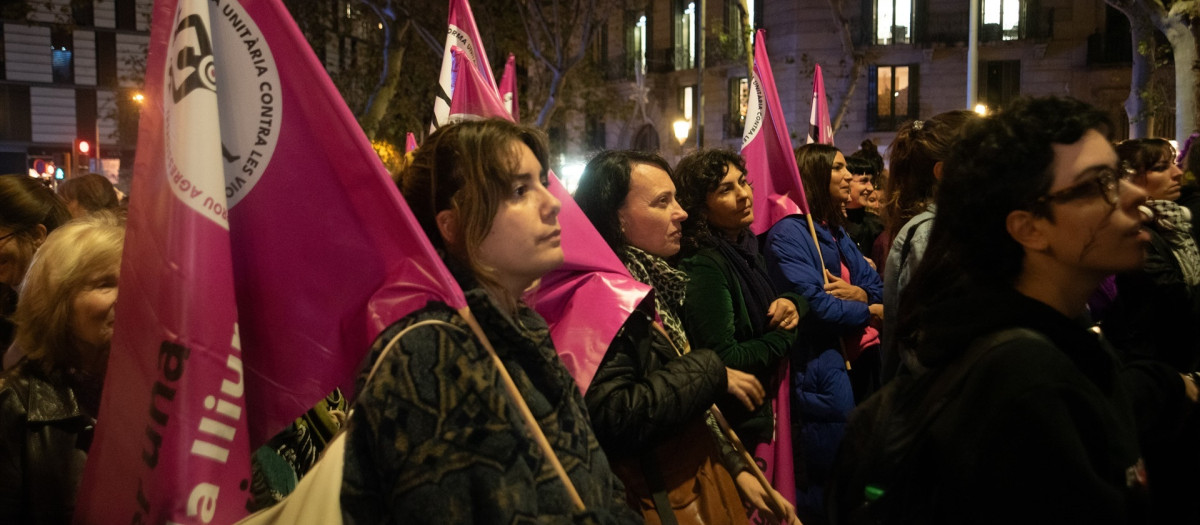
(1012, 303)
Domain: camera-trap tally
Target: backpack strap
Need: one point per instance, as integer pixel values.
(907, 246)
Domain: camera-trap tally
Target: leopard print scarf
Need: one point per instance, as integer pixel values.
(670, 287)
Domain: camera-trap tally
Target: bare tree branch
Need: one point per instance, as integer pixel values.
(858, 62)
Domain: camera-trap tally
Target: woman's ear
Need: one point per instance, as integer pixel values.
(937, 171)
(447, 223)
(1026, 228)
(39, 235)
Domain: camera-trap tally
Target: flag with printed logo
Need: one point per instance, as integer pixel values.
(266, 248)
(771, 168)
(819, 129)
(587, 299)
(767, 148)
(508, 88)
(464, 35)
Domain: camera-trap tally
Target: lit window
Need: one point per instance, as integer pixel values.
(893, 96)
(686, 94)
(685, 36)
(893, 22)
(1001, 19)
(637, 43)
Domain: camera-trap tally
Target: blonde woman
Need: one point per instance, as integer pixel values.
(49, 401)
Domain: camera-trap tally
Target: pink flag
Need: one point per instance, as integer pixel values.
(588, 298)
(462, 34)
(819, 130)
(473, 98)
(771, 167)
(767, 148)
(410, 142)
(266, 248)
(508, 88)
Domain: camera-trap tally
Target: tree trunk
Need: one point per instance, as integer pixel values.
(1195, 27)
(1142, 33)
(389, 79)
(1183, 44)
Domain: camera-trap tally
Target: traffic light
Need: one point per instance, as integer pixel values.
(83, 154)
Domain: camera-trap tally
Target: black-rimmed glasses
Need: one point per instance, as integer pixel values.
(1106, 183)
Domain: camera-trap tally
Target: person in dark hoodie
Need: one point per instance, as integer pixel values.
(1033, 212)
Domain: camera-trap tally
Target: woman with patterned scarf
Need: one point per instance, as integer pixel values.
(1154, 317)
(649, 399)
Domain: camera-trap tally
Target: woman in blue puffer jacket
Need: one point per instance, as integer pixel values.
(844, 294)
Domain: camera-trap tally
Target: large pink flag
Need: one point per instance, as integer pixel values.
(771, 167)
(588, 298)
(266, 249)
(464, 35)
(819, 129)
(508, 88)
(767, 148)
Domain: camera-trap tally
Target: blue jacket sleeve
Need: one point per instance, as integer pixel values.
(793, 267)
(861, 273)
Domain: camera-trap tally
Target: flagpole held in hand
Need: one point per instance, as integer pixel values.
(775, 499)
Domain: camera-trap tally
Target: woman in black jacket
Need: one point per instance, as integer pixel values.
(651, 392)
(1033, 213)
(50, 399)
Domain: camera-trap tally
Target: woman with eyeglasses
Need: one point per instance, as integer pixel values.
(1040, 427)
(1156, 316)
(29, 211)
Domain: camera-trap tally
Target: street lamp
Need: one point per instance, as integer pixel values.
(138, 97)
(682, 129)
(981, 109)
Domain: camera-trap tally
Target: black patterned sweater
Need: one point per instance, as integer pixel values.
(434, 438)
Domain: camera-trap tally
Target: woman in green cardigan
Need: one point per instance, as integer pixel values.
(731, 305)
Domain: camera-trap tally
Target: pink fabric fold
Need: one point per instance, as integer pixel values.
(463, 34)
(508, 88)
(819, 129)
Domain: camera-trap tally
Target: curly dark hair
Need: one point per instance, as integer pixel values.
(1001, 164)
(696, 176)
(604, 186)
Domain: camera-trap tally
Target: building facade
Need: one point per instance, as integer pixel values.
(71, 71)
(914, 55)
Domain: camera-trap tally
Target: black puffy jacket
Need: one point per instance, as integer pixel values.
(644, 392)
